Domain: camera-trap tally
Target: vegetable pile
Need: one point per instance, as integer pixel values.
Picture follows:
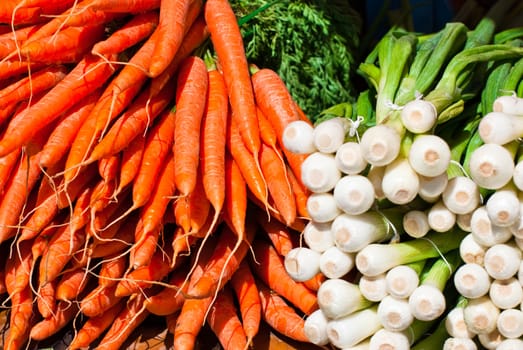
(415, 200)
(149, 170)
(143, 175)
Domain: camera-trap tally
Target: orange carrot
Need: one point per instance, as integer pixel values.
(192, 212)
(95, 326)
(244, 285)
(135, 30)
(11, 69)
(7, 164)
(63, 135)
(67, 46)
(98, 300)
(228, 43)
(145, 276)
(171, 298)
(16, 194)
(133, 122)
(280, 316)
(126, 6)
(315, 282)
(246, 162)
(88, 75)
(122, 240)
(235, 198)
(282, 237)
(131, 159)
(65, 312)
(127, 320)
(58, 252)
(171, 29)
(279, 187)
(18, 268)
(108, 167)
(20, 320)
(213, 140)
(270, 269)
(46, 299)
(144, 247)
(224, 261)
(224, 322)
(194, 37)
(25, 88)
(274, 100)
(190, 103)
(112, 269)
(72, 283)
(157, 147)
(171, 320)
(301, 193)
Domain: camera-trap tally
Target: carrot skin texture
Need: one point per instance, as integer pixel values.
(46, 299)
(95, 326)
(20, 320)
(280, 316)
(191, 95)
(65, 312)
(270, 269)
(244, 286)
(228, 43)
(86, 77)
(99, 300)
(170, 299)
(224, 321)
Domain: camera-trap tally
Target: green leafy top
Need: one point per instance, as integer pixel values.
(310, 44)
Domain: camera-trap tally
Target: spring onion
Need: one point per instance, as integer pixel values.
(348, 331)
(338, 298)
(472, 280)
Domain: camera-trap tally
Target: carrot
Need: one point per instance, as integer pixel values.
(279, 187)
(130, 124)
(171, 298)
(224, 322)
(3, 288)
(72, 283)
(270, 269)
(247, 163)
(12, 69)
(171, 29)
(191, 93)
(131, 159)
(228, 44)
(281, 236)
(101, 223)
(224, 261)
(108, 167)
(125, 6)
(65, 131)
(98, 300)
(274, 100)
(235, 198)
(213, 140)
(301, 193)
(112, 269)
(16, 194)
(95, 326)
(127, 320)
(154, 210)
(131, 33)
(27, 87)
(102, 196)
(280, 316)
(315, 282)
(58, 252)
(46, 299)
(244, 286)
(7, 165)
(20, 320)
(192, 315)
(194, 37)
(122, 240)
(23, 16)
(145, 276)
(65, 312)
(145, 246)
(88, 75)
(18, 268)
(158, 145)
(67, 46)
(192, 212)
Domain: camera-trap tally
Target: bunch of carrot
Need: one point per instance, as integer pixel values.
(138, 178)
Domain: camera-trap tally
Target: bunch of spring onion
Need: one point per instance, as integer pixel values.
(390, 210)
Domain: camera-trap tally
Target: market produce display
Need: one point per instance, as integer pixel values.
(149, 170)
